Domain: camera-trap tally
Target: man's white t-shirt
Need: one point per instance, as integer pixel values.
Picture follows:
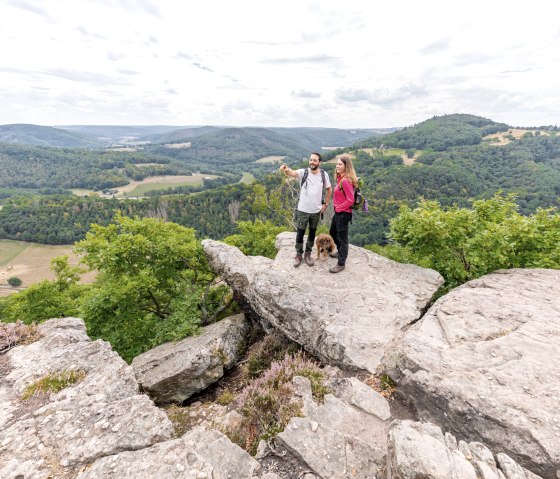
(311, 195)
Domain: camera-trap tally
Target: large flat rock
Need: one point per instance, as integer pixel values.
(349, 319)
(484, 363)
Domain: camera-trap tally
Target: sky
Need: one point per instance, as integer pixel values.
(340, 64)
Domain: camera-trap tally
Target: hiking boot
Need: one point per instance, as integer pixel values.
(308, 259)
(336, 269)
(297, 261)
(334, 254)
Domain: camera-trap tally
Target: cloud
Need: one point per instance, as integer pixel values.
(472, 59)
(298, 60)
(172, 91)
(30, 7)
(306, 94)
(202, 67)
(380, 97)
(87, 33)
(128, 72)
(134, 5)
(186, 56)
(83, 76)
(442, 44)
(115, 57)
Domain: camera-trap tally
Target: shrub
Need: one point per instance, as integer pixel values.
(267, 403)
(53, 382)
(14, 281)
(273, 347)
(12, 334)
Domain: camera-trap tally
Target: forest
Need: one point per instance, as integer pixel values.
(453, 165)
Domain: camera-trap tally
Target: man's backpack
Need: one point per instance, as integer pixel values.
(306, 174)
(359, 200)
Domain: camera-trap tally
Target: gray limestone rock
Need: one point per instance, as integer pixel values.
(349, 319)
(199, 454)
(172, 372)
(484, 363)
(344, 437)
(54, 435)
(419, 451)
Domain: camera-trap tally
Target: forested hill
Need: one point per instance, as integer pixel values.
(440, 133)
(310, 138)
(466, 165)
(46, 136)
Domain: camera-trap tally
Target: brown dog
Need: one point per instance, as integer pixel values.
(325, 245)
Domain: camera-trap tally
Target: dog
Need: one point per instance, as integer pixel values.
(325, 245)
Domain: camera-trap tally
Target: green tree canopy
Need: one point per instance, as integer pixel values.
(154, 283)
(463, 244)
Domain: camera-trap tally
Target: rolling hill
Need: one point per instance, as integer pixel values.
(26, 134)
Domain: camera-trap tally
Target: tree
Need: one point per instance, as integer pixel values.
(463, 244)
(14, 281)
(47, 299)
(154, 284)
(256, 238)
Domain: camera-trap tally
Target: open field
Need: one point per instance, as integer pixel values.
(123, 148)
(248, 178)
(178, 145)
(397, 152)
(138, 188)
(501, 138)
(270, 159)
(338, 156)
(31, 262)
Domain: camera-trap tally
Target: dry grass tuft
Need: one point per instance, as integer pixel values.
(13, 334)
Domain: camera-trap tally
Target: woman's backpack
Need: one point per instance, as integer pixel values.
(359, 200)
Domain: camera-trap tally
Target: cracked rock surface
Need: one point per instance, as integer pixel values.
(484, 364)
(349, 319)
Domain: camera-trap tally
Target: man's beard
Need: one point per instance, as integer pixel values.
(313, 167)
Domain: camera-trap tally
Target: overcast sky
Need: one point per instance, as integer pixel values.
(345, 63)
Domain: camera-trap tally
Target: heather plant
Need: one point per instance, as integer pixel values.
(273, 347)
(267, 404)
(12, 334)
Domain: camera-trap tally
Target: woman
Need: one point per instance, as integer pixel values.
(343, 199)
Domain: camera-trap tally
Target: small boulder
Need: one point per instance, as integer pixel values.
(173, 372)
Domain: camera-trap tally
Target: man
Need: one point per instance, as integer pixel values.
(310, 205)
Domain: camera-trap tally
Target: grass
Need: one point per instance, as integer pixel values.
(271, 159)
(31, 262)
(13, 334)
(53, 383)
(142, 188)
(10, 249)
(247, 179)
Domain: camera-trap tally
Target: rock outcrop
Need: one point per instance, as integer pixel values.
(345, 437)
(419, 450)
(102, 415)
(484, 364)
(350, 319)
(173, 372)
(98, 427)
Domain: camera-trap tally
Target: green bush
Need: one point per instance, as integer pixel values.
(14, 281)
(463, 244)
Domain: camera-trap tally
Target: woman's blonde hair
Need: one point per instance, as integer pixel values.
(349, 170)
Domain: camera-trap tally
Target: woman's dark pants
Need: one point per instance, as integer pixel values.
(339, 233)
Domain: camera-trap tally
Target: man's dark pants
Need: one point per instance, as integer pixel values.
(302, 220)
